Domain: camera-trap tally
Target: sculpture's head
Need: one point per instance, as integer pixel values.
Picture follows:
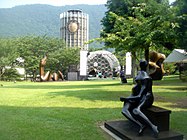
(142, 74)
(43, 61)
(143, 65)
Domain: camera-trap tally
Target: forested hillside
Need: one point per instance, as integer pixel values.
(44, 19)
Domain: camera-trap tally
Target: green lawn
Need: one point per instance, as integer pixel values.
(75, 110)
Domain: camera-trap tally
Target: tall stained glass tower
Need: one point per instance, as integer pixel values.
(74, 28)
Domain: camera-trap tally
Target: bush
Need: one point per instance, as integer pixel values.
(11, 75)
(170, 68)
(183, 76)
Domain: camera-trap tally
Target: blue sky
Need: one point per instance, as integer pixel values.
(12, 3)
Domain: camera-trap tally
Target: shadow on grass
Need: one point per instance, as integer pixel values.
(91, 94)
(54, 122)
(98, 95)
(65, 122)
(177, 99)
(182, 88)
(63, 86)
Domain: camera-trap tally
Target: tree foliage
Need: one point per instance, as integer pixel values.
(11, 74)
(32, 49)
(180, 7)
(62, 58)
(141, 25)
(8, 54)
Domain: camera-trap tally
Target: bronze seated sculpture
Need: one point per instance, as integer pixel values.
(141, 98)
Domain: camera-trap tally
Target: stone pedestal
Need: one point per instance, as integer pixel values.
(127, 130)
(158, 116)
(72, 76)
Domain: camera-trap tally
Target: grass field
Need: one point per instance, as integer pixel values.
(75, 110)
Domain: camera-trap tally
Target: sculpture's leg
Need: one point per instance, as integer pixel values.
(45, 77)
(61, 75)
(55, 77)
(127, 114)
(138, 112)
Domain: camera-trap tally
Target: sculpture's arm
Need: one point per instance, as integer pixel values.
(130, 98)
(135, 98)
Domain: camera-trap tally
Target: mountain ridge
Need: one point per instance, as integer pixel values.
(42, 19)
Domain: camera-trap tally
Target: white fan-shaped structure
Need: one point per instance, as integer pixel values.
(104, 62)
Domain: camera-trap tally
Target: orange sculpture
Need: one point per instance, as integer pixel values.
(48, 76)
(156, 67)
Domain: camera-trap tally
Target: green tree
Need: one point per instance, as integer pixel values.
(62, 58)
(180, 7)
(143, 25)
(8, 54)
(11, 74)
(33, 48)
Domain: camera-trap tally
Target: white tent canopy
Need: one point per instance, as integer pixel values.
(177, 55)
